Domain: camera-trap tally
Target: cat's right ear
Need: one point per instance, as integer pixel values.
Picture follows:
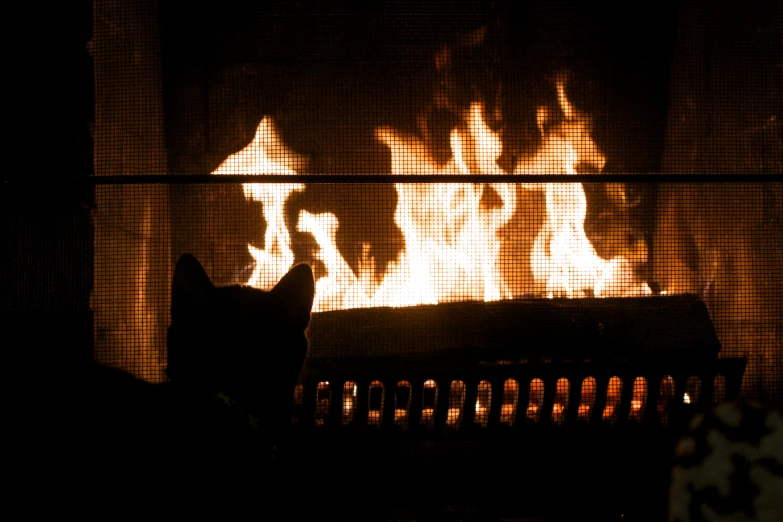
(190, 285)
(295, 292)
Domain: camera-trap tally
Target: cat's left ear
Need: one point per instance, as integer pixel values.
(296, 291)
(190, 286)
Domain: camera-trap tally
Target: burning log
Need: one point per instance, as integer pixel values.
(532, 329)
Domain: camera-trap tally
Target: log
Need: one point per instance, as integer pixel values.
(532, 329)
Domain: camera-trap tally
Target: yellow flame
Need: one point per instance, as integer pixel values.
(451, 241)
(276, 258)
(562, 259)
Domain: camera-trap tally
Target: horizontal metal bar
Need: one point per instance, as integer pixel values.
(389, 179)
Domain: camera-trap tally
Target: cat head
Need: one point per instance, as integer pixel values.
(247, 343)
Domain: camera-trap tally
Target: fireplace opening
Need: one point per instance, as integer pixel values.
(544, 234)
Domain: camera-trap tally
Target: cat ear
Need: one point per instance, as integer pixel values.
(191, 284)
(296, 291)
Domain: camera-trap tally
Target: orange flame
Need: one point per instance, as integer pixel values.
(563, 259)
(451, 242)
(276, 258)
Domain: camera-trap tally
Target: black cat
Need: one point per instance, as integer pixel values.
(243, 345)
(235, 354)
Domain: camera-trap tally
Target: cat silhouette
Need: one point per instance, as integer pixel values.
(234, 357)
(245, 344)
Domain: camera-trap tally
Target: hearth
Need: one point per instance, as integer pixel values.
(545, 234)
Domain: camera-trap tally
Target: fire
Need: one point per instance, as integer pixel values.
(274, 261)
(563, 259)
(451, 243)
(451, 239)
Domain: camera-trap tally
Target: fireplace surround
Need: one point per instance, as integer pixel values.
(409, 408)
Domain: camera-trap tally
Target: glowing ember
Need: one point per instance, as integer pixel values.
(639, 398)
(451, 241)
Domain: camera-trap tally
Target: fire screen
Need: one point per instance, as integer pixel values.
(340, 103)
(521, 216)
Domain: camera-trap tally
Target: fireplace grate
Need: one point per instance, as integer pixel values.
(513, 365)
(508, 396)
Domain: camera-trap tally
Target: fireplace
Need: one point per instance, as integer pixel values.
(544, 233)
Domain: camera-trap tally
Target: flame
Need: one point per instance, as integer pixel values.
(563, 259)
(451, 243)
(451, 239)
(276, 258)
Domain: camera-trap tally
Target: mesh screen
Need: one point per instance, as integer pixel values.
(469, 89)
(553, 150)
